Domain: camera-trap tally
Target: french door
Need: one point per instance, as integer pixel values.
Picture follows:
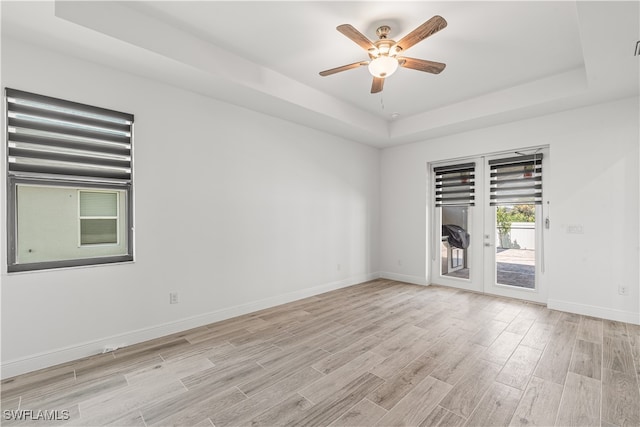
(488, 224)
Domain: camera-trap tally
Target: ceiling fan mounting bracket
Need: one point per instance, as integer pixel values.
(383, 31)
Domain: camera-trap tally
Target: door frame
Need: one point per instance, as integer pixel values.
(482, 258)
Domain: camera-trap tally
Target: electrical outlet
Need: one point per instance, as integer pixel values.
(623, 290)
(173, 298)
(400, 263)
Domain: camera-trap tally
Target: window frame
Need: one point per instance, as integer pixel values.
(79, 183)
(12, 226)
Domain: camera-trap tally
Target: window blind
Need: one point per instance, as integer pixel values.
(516, 180)
(455, 185)
(58, 139)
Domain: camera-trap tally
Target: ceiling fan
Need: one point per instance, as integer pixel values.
(384, 53)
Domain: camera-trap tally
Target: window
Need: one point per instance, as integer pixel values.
(98, 217)
(69, 175)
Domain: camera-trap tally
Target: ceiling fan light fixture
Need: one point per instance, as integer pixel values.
(383, 66)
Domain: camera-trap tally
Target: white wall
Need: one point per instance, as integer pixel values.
(593, 181)
(235, 210)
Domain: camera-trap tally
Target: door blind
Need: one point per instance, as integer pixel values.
(516, 180)
(58, 139)
(455, 185)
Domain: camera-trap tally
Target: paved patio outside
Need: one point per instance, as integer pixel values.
(515, 267)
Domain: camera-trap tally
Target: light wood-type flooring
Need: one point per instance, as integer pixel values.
(379, 353)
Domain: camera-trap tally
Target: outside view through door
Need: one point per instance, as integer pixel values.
(455, 250)
(516, 245)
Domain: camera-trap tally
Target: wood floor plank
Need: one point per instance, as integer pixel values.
(397, 387)
(55, 376)
(554, 363)
(73, 394)
(341, 343)
(508, 314)
(109, 407)
(256, 352)
(539, 404)
(318, 339)
(457, 363)
(327, 386)
(222, 376)
(246, 410)
(133, 419)
(634, 341)
(190, 407)
(587, 359)
(617, 355)
(389, 367)
(496, 407)
(334, 361)
(489, 333)
(169, 371)
(590, 329)
(549, 317)
(580, 405)
(416, 405)
(399, 341)
(334, 406)
(364, 413)
(10, 403)
(441, 417)
(538, 335)
(620, 398)
(451, 341)
(501, 349)
(520, 325)
(466, 394)
(518, 369)
(204, 423)
(122, 365)
(283, 413)
(614, 329)
(269, 378)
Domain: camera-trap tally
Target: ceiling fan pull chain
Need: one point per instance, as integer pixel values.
(382, 102)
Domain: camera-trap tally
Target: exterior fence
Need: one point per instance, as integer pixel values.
(521, 236)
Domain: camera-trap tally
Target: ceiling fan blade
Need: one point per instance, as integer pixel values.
(425, 30)
(377, 84)
(355, 35)
(421, 65)
(343, 68)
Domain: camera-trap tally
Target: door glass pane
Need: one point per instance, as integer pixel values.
(455, 236)
(516, 245)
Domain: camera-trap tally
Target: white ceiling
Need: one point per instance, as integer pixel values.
(505, 60)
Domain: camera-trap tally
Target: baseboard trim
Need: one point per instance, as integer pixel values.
(416, 280)
(595, 311)
(57, 356)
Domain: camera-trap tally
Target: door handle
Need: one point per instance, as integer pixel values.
(487, 244)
